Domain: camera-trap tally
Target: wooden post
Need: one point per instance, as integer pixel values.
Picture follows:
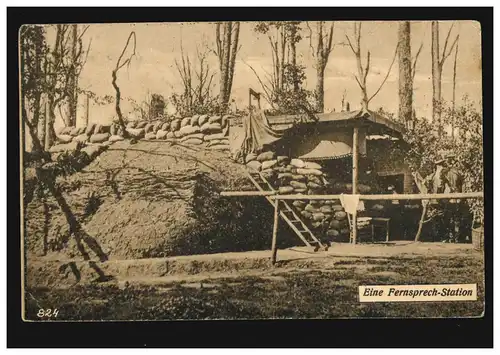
(274, 249)
(355, 181)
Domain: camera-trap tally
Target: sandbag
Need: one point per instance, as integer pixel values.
(157, 126)
(313, 185)
(335, 224)
(175, 125)
(82, 138)
(165, 126)
(136, 133)
(254, 165)
(285, 176)
(250, 157)
(318, 216)
(326, 209)
(178, 134)
(65, 147)
(340, 215)
(90, 129)
(309, 172)
(132, 124)
(268, 164)
(299, 204)
(210, 137)
(266, 156)
(332, 233)
(194, 120)
(170, 135)
(185, 121)
(64, 138)
(298, 185)
(297, 163)
(300, 191)
(186, 130)
(192, 136)
(315, 179)
(337, 208)
(312, 165)
(298, 177)
(316, 224)
(202, 120)
(115, 138)
(141, 124)
(306, 214)
(310, 208)
(161, 134)
(99, 137)
(150, 136)
(283, 160)
(192, 141)
(284, 190)
(211, 128)
(219, 147)
(215, 119)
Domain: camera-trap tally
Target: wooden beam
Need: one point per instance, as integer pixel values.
(274, 249)
(384, 197)
(355, 158)
(247, 193)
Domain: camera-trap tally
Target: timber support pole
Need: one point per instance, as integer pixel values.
(274, 249)
(355, 181)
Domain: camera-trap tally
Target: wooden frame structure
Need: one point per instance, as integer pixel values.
(381, 197)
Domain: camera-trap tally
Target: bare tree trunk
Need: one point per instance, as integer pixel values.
(50, 134)
(72, 86)
(293, 55)
(454, 92)
(42, 122)
(282, 59)
(226, 49)
(436, 76)
(320, 89)
(234, 51)
(405, 73)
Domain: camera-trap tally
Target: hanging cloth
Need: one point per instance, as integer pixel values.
(257, 133)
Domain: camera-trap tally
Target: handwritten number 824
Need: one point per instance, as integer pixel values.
(47, 313)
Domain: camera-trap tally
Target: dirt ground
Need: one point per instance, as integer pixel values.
(244, 285)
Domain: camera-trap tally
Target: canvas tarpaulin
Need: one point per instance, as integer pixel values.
(253, 136)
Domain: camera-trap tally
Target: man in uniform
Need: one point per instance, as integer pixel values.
(445, 179)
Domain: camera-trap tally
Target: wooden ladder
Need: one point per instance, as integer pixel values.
(287, 213)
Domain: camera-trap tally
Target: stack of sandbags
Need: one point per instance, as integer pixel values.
(326, 218)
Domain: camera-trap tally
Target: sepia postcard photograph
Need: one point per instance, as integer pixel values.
(251, 170)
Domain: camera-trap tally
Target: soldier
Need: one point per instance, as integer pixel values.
(446, 179)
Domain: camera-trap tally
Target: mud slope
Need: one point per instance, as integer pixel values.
(152, 199)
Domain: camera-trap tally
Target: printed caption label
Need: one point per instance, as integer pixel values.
(418, 293)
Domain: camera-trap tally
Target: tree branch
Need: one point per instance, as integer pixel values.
(387, 75)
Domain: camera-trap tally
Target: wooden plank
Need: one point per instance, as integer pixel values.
(247, 193)
(274, 249)
(383, 197)
(355, 158)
